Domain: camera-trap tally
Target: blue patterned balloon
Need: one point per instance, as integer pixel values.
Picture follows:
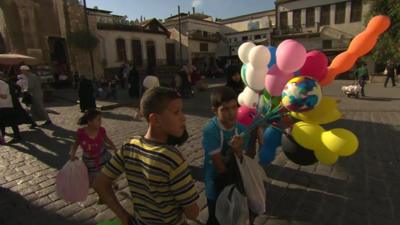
(301, 94)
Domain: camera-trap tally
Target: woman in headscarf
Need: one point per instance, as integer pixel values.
(86, 95)
(38, 110)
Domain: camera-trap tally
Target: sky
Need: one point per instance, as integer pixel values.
(162, 9)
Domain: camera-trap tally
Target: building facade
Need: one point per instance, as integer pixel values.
(326, 25)
(198, 41)
(256, 27)
(120, 41)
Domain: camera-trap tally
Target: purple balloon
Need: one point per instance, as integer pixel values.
(275, 80)
(316, 65)
(290, 56)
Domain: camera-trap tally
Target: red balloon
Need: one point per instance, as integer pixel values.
(316, 65)
(246, 115)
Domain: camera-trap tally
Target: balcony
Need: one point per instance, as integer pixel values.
(201, 36)
(296, 31)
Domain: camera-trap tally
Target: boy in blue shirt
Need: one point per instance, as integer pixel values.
(221, 141)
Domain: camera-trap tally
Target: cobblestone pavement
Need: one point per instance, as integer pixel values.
(362, 189)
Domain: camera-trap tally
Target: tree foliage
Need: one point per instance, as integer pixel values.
(388, 46)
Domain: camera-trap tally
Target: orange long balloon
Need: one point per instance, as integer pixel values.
(359, 46)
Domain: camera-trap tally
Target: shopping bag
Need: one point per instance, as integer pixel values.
(72, 182)
(231, 207)
(253, 177)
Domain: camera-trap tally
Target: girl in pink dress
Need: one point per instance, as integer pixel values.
(93, 140)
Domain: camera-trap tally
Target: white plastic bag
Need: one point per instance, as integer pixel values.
(231, 207)
(72, 182)
(253, 177)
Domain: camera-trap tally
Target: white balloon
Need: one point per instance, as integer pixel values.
(244, 50)
(259, 56)
(151, 82)
(241, 99)
(255, 77)
(249, 98)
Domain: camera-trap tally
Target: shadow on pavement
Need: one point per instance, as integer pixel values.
(356, 190)
(16, 210)
(114, 116)
(52, 151)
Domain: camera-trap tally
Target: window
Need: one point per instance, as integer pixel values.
(205, 34)
(204, 47)
(235, 39)
(121, 51)
(310, 17)
(356, 11)
(297, 18)
(245, 38)
(340, 12)
(253, 25)
(258, 36)
(137, 52)
(326, 44)
(283, 16)
(325, 15)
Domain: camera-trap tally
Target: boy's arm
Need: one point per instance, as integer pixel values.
(184, 190)
(218, 163)
(103, 186)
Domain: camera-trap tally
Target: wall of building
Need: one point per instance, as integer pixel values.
(263, 22)
(349, 27)
(109, 49)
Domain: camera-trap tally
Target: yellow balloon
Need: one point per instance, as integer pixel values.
(340, 141)
(308, 135)
(325, 112)
(325, 156)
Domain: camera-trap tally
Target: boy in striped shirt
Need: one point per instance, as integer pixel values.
(162, 189)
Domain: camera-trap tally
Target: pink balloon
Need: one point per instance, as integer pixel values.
(290, 56)
(245, 115)
(316, 65)
(275, 80)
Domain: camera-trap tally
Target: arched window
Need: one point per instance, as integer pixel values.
(137, 52)
(121, 50)
(151, 53)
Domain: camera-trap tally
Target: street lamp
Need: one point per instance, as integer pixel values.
(88, 31)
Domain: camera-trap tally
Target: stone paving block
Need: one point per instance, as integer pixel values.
(69, 210)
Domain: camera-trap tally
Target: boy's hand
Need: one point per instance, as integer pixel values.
(236, 145)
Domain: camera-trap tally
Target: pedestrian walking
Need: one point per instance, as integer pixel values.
(362, 77)
(390, 72)
(93, 139)
(134, 82)
(86, 95)
(11, 112)
(37, 108)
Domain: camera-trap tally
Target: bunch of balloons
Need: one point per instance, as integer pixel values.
(286, 82)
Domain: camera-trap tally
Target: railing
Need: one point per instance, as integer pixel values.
(298, 29)
(198, 35)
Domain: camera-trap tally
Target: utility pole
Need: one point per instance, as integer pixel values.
(88, 30)
(180, 35)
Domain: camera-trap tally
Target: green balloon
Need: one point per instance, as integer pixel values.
(267, 98)
(110, 222)
(243, 74)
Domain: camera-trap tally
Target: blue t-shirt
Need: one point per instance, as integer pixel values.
(212, 145)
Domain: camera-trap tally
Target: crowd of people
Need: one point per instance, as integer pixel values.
(12, 113)
(161, 186)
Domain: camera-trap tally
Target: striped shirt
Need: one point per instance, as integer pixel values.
(158, 178)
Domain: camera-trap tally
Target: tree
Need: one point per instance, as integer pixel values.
(388, 46)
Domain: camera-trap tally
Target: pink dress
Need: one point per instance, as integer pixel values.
(94, 153)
